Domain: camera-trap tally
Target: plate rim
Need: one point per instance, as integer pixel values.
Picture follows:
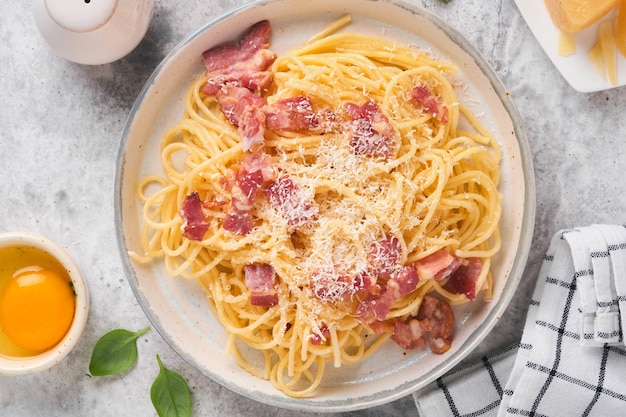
(516, 270)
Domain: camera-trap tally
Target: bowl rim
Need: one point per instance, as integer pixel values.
(514, 275)
(10, 365)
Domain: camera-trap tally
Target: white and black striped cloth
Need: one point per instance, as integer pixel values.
(571, 360)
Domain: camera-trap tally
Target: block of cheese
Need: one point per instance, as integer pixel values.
(575, 15)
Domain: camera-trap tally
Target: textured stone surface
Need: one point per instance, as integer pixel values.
(60, 127)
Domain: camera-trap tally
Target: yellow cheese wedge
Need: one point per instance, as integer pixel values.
(603, 53)
(597, 59)
(575, 15)
(620, 28)
(608, 50)
(567, 44)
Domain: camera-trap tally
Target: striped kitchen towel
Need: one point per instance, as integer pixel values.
(571, 360)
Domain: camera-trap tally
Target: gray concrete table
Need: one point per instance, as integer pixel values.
(60, 129)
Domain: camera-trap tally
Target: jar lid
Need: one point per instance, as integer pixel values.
(80, 15)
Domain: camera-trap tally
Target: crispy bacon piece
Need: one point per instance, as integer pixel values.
(331, 286)
(319, 338)
(291, 114)
(243, 109)
(463, 280)
(372, 133)
(284, 195)
(434, 323)
(462, 274)
(384, 256)
(297, 113)
(382, 279)
(380, 327)
(236, 75)
(366, 281)
(255, 170)
(260, 280)
(238, 222)
(402, 282)
(384, 282)
(244, 64)
(438, 265)
(441, 320)
(195, 225)
(376, 307)
(426, 99)
(234, 101)
(410, 334)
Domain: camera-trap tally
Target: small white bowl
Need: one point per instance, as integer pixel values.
(11, 365)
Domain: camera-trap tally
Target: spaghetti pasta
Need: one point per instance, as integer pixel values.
(393, 177)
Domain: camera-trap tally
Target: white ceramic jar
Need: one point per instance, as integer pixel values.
(92, 32)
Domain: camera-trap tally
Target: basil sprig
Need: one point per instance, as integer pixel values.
(115, 352)
(170, 393)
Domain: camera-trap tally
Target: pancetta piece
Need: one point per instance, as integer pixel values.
(261, 280)
(425, 98)
(291, 114)
(255, 170)
(435, 319)
(238, 222)
(380, 285)
(372, 133)
(244, 64)
(441, 321)
(330, 286)
(463, 280)
(410, 334)
(384, 256)
(297, 113)
(366, 281)
(195, 225)
(433, 325)
(321, 337)
(244, 109)
(286, 197)
(237, 74)
(385, 281)
(376, 307)
(438, 265)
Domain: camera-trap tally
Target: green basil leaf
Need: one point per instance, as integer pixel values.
(170, 393)
(115, 352)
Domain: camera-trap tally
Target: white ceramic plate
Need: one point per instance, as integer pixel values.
(577, 69)
(178, 308)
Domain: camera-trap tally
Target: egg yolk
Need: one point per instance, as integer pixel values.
(36, 309)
